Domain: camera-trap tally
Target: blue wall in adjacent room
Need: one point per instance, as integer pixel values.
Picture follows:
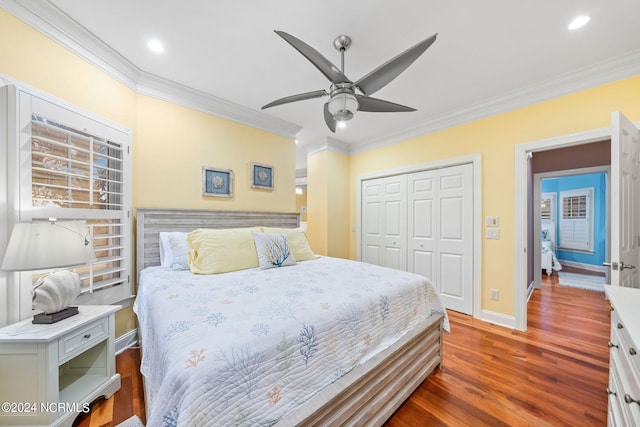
(574, 182)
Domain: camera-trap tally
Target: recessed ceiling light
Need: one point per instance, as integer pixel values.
(579, 22)
(296, 141)
(155, 45)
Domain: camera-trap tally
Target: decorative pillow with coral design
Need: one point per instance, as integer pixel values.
(173, 250)
(273, 250)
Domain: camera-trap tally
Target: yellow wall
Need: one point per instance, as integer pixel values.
(40, 62)
(495, 138)
(328, 203)
(317, 213)
(170, 143)
(174, 142)
(338, 205)
(301, 200)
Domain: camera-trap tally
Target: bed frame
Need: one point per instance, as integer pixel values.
(370, 393)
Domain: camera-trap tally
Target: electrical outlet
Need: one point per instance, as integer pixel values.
(494, 294)
(493, 233)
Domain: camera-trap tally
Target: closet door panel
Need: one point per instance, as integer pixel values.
(423, 263)
(452, 276)
(372, 227)
(422, 224)
(395, 222)
(455, 241)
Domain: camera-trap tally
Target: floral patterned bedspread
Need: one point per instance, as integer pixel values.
(244, 348)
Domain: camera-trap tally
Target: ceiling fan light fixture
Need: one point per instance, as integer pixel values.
(343, 106)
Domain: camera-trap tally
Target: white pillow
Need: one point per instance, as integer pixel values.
(174, 250)
(273, 250)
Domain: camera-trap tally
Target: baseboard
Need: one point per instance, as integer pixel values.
(127, 340)
(530, 289)
(590, 267)
(499, 319)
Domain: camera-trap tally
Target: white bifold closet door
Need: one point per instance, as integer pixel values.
(384, 216)
(423, 222)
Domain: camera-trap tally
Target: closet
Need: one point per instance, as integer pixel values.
(422, 222)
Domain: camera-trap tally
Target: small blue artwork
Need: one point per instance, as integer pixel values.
(217, 182)
(261, 176)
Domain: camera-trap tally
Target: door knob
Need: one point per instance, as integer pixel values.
(628, 266)
(616, 266)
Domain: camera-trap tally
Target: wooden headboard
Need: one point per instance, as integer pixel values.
(151, 221)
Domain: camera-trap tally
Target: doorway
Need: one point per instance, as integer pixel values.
(571, 216)
(624, 139)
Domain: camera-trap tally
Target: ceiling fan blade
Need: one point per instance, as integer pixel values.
(388, 71)
(325, 66)
(328, 118)
(376, 105)
(298, 97)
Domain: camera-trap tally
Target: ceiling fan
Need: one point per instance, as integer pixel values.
(346, 97)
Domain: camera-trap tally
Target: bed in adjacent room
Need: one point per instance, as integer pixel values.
(317, 340)
(548, 260)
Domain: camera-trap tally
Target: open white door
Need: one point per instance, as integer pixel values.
(625, 196)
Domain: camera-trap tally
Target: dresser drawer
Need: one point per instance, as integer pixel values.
(620, 337)
(83, 338)
(617, 414)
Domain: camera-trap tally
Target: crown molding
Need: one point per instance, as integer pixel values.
(330, 144)
(166, 90)
(52, 22)
(622, 67)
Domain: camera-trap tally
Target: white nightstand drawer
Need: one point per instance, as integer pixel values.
(79, 340)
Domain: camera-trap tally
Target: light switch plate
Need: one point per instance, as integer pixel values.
(491, 221)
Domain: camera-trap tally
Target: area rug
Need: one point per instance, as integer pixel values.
(582, 281)
(131, 422)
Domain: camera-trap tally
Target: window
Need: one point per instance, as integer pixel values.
(548, 207)
(576, 221)
(75, 166)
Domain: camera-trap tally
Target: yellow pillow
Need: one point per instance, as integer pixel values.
(298, 243)
(213, 251)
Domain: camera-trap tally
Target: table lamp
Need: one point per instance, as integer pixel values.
(46, 245)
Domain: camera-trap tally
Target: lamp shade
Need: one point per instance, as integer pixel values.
(40, 245)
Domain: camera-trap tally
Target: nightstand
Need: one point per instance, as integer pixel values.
(51, 373)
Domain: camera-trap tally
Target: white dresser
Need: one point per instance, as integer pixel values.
(624, 360)
(50, 373)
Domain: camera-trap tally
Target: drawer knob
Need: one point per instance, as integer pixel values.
(610, 345)
(610, 392)
(630, 399)
(620, 326)
(87, 336)
(632, 351)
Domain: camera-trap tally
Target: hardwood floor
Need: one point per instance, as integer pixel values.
(554, 374)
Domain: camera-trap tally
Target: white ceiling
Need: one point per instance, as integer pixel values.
(489, 56)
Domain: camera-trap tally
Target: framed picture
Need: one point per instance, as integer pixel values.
(217, 182)
(261, 176)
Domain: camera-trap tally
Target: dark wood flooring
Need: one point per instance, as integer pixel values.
(554, 374)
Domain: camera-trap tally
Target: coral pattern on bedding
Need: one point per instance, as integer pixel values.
(245, 348)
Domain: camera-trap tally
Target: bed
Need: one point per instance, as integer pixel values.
(548, 260)
(248, 348)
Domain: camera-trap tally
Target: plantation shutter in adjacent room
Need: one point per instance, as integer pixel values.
(576, 220)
